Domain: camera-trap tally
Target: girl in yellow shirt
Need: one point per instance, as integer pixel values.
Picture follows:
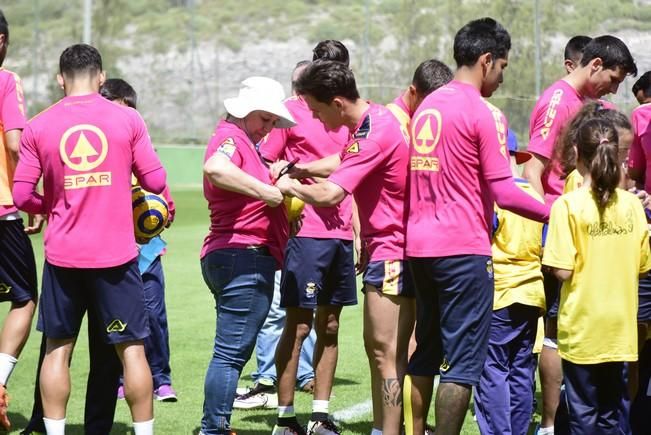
(597, 245)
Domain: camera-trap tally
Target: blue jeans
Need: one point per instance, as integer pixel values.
(157, 346)
(241, 281)
(268, 337)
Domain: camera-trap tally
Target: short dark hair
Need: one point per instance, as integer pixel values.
(431, 75)
(613, 53)
(478, 37)
(80, 59)
(326, 79)
(118, 89)
(4, 26)
(299, 64)
(643, 84)
(575, 46)
(331, 49)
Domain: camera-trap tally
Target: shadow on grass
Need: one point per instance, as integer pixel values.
(19, 423)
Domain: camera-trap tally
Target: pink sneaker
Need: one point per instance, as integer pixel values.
(121, 392)
(165, 393)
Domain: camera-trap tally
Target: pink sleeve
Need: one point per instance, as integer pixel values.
(29, 166)
(509, 196)
(26, 198)
(359, 160)
(13, 108)
(493, 155)
(636, 157)
(154, 181)
(170, 203)
(543, 137)
(145, 159)
(272, 147)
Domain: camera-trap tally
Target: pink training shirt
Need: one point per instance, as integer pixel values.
(374, 169)
(553, 110)
(12, 117)
(236, 220)
(86, 148)
(309, 140)
(639, 156)
(458, 144)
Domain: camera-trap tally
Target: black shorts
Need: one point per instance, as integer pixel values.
(454, 299)
(318, 272)
(17, 266)
(115, 294)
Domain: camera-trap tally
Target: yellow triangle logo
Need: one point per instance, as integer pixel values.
(425, 133)
(354, 148)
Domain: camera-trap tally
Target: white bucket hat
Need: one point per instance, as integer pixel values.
(260, 93)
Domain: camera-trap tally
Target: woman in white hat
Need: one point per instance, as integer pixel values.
(247, 237)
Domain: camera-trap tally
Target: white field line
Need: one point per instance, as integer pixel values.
(364, 408)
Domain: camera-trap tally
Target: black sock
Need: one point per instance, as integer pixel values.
(287, 421)
(319, 416)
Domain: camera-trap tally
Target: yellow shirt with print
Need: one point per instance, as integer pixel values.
(517, 251)
(573, 181)
(597, 318)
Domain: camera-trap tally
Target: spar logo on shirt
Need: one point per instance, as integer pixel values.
(425, 135)
(550, 115)
(83, 148)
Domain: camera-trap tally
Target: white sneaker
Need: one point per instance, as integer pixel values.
(287, 430)
(260, 396)
(322, 428)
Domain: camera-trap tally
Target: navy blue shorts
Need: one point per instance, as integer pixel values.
(454, 298)
(115, 294)
(596, 397)
(318, 272)
(391, 277)
(644, 300)
(17, 266)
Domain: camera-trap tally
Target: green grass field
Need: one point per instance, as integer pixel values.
(191, 314)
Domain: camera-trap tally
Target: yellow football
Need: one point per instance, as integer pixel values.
(150, 213)
(294, 208)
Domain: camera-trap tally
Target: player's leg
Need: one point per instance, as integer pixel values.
(389, 314)
(64, 300)
(18, 285)
(465, 285)
(523, 365)
(492, 396)
(119, 301)
(157, 347)
(337, 290)
(424, 362)
(103, 378)
(551, 373)
(298, 323)
(36, 420)
(582, 388)
(55, 380)
(241, 281)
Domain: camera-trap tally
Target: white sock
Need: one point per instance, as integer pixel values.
(7, 364)
(546, 430)
(142, 427)
(375, 431)
(320, 406)
(54, 427)
(286, 411)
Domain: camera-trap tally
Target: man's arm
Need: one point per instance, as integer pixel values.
(12, 141)
(562, 274)
(326, 194)
(533, 171)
